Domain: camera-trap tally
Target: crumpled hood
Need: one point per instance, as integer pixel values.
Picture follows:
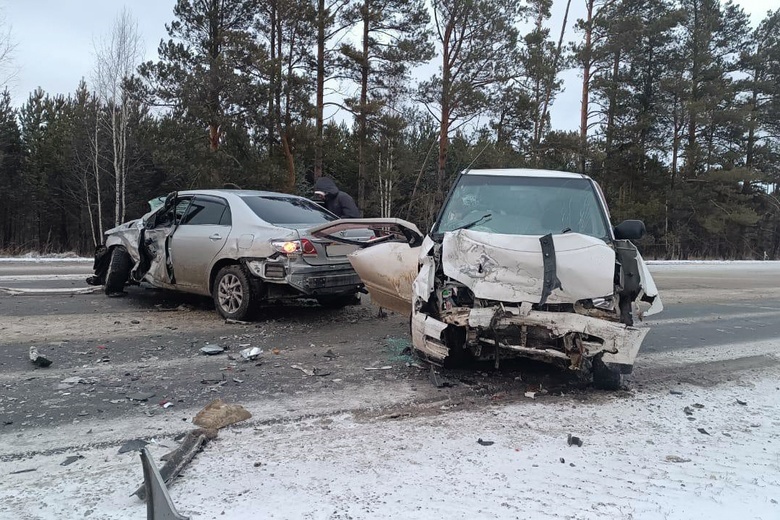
(510, 268)
(326, 185)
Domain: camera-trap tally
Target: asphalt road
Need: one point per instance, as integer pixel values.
(122, 358)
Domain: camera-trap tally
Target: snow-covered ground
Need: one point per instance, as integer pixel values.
(644, 456)
(38, 258)
(769, 264)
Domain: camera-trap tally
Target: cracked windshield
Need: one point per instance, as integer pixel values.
(524, 206)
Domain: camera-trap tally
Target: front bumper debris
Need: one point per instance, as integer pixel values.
(551, 336)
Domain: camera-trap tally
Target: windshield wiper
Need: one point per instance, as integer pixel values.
(480, 220)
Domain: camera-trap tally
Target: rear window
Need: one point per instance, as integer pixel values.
(288, 211)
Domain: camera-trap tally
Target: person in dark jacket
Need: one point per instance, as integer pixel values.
(336, 201)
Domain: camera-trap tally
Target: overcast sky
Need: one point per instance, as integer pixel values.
(55, 42)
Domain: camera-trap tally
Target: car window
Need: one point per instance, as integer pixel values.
(227, 218)
(204, 212)
(281, 210)
(524, 206)
(165, 217)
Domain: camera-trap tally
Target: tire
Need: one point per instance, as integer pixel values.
(605, 375)
(234, 296)
(118, 271)
(455, 340)
(626, 314)
(339, 301)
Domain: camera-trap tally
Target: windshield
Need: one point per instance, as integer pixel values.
(288, 211)
(524, 206)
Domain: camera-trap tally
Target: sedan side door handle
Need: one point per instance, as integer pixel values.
(215, 236)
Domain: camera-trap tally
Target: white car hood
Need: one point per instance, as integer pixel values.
(510, 268)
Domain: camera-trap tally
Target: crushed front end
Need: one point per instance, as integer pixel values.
(484, 296)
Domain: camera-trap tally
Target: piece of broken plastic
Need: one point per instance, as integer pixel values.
(211, 350)
(250, 354)
(159, 505)
(133, 445)
(38, 359)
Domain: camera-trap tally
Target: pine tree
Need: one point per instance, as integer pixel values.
(477, 41)
(393, 38)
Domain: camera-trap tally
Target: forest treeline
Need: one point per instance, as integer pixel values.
(680, 117)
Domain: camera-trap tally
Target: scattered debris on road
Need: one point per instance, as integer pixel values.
(211, 350)
(133, 445)
(675, 458)
(251, 354)
(574, 441)
(688, 410)
(743, 403)
(217, 382)
(675, 392)
(218, 414)
(70, 460)
(313, 372)
(29, 470)
(193, 442)
(702, 430)
(437, 380)
(485, 443)
(38, 359)
(76, 380)
(231, 321)
(140, 396)
(531, 395)
(386, 367)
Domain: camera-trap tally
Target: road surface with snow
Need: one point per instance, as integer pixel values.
(357, 443)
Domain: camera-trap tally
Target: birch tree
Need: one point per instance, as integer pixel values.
(8, 69)
(118, 55)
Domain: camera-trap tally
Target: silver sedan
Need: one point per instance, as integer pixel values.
(240, 247)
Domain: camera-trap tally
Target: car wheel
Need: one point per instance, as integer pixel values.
(605, 375)
(118, 271)
(339, 301)
(455, 340)
(233, 294)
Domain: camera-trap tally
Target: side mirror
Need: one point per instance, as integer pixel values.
(630, 230)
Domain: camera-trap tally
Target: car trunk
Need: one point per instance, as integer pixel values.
(329, 252)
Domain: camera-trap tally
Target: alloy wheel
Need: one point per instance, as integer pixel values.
(230, 293)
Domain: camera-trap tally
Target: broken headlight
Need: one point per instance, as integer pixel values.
(607, 303)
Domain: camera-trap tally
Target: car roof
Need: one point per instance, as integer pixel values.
(526, 172)
(238, 193)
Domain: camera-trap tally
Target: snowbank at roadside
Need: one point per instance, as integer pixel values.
(51, 257)
(705, 452)
(773, 263)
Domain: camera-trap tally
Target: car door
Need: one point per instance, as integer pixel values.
(198, 239)
(155, 251)
(388, 263)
